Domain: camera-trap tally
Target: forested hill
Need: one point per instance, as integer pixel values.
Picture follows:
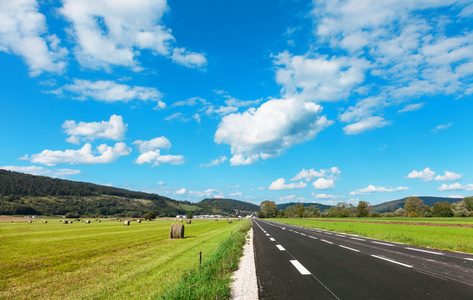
(228, 206)
(28, 194)
(395, 204)
(321, 207)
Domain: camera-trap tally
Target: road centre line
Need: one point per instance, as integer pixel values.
(300, 267)
(349, 248)
(280, 247)
(267, 234)
(272, 240)
(426, 251)
(303, 234)
(313, 237)
(328, 242)
(393, 261)
(385, 244)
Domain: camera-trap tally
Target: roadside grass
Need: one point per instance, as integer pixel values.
(406, 220)
(212, 281)
(101, 260)
(445, 238)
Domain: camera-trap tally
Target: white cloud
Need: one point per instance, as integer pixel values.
(448, 176)
(161, 183)
(411, 107)
(427, 174)
(35, 170)
(155, 158)
(309, 174)
(153, 144)
(181, 191)
(280, 184)
(323, 184)
(219, 160)
(456, 187)
(113, 33)
(236, 194)
(441, 127)
(113, 129)
(265, 132)
(326, 196)
(207, 193)
(24, 32)
(285, 198)
(374, 189)
(85, 155)
(365, 124)
(110, 91)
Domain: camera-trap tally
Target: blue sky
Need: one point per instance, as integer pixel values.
(307, 101)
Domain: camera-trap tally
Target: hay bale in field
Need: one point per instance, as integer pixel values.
(100, 221)
(11, 221)
(87, 222)
(119, 220)
(148, 220)
(45, 222)
(70, 222)
(138, 221)
(29, 221)
(126, 223)
(66, 222)
(229, 221)
(216, 219)
(180, 220)
(176, 231)
(188, 221)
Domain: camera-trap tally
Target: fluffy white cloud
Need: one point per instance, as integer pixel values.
(113, 33)
(265, 132)
(441, 127)
(448, 176)
(113, 129)
(365, 124)
(110, 91)
(85, 155)
(309, 174)
(35, 170)
(153, 144)
(378, 189)
(280, 184)
(23, 31)
(326, 196)
(411, 107)
(155, 158)
(285, 198)
(219, 160)
(181, 191)
(209, 193)
(236, 194)
(427, 174)
(456, 187)
(323, 184)
(320, 78)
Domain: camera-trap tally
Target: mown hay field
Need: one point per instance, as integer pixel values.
(101, 260)
(438, 237)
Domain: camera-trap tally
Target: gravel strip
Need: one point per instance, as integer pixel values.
(245, 286)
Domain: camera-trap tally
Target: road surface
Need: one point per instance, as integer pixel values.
(300, 263)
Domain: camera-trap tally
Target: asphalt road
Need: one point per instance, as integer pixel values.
(299, 263)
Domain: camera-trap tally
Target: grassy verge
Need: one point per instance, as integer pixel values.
(212, 281)
(101, 260)
(445, 238)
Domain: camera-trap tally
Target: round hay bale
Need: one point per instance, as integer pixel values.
(70, 222)
(138, 221)
(29, 221)
(45, 222)
(11, 221)
(100, 221)
(229, 221)
(147, 220)
(176, 231)
(66, 222)
(119, 220)
(126, 223)
(87, 222)
(188, 221)
(180, 220)
(216, 219)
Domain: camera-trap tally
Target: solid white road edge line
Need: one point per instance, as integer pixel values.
(385, 244)
(469, 259)
(353, 238)
(280, 247)
(349, 248)
(426, 251)
(393, 261)
(300, 267)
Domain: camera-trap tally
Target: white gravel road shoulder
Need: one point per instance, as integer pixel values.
(245, 286)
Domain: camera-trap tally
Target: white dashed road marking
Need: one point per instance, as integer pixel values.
(354, 238)
(385, 244)
(328, 242)
(280, 247)
(272, 240)
(393, 261)
(300, 267)
(426, 251)
(349, 248)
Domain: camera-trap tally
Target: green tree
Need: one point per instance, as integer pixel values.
(149, 216)
(281, 214)
(300, 210)
(190, 215)
(268, 209)
(442, 209)
(468, 203)
(414, 206)
(363, 209)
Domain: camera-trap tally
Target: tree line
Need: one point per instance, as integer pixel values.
(414, 207)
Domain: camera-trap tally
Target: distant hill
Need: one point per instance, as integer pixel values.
(395, 204)
(322, 207)
(28, 194)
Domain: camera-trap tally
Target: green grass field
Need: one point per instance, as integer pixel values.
(446, 238)
(101, 260)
